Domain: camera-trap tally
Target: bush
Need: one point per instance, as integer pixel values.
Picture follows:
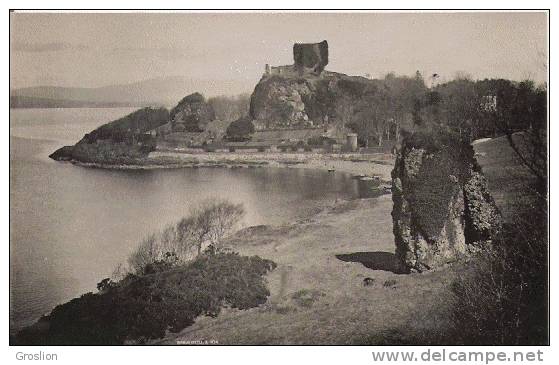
(320, 141)
(208, 223)
(503, 298)
(144, 307)
(240, 129)
(306, 298)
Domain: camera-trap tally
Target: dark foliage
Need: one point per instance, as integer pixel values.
(126, 129)
(240, 130)
(485, 108)
(448, 157)
(503, 300)
(144, 307)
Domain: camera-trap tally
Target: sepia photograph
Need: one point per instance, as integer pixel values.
(259, 177)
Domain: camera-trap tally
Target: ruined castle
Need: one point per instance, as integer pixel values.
(309, 59)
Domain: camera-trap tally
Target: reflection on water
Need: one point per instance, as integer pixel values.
(70, 226)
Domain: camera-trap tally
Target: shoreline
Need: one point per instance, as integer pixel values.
(378, 166)
(317, 259)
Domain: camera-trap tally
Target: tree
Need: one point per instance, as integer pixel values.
(525, 126)
(213, 220)
(208, 223)
(230, 108)
(240, 129)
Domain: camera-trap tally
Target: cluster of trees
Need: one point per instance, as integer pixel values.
(230, 108)
(385, 107)
(473, 109)
(487, 108)
(240, 130)
(207, 225)
(128, 128)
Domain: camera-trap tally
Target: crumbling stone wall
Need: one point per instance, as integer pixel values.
(310, 57)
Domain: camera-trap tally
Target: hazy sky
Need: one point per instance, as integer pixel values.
(89, 50)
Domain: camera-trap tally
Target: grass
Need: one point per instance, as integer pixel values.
(503, 298)
(507, 178)
(306, 298)
(316, 298)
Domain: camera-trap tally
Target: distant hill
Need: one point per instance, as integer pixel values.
(33, 102)
(153, 92)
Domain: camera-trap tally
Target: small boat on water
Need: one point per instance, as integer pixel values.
(331, 169)
(366, 178)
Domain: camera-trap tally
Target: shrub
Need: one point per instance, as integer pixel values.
(240, 129)
(105, 284)
(306, 298)
(389, 283)
(143, 307)
(503, 298)
(208, 223)
(319, 141)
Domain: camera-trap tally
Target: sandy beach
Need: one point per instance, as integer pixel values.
(372, 165)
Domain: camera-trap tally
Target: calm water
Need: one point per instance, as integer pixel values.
(70, 226)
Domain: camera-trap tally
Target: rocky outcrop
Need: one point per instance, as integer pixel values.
(304, 95)
(117, 141)
(192, 114)
(442, 207)
(288, 101)
(131, 138)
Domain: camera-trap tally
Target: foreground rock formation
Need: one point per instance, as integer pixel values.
(442, 207)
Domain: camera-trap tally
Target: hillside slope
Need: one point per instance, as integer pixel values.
(317, 291)
(508, 180)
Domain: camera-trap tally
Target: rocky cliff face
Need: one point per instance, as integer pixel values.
(288, 101)
(442, 207)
